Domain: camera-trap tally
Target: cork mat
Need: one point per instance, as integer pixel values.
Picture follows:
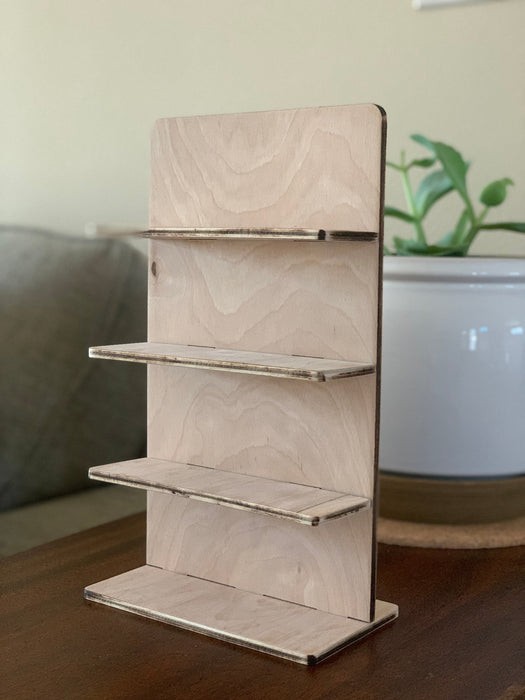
(505, 533)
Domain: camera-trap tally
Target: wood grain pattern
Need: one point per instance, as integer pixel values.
(310, 168)
(317, 434)
(287, 366)
(253, 621)
(327, 567)
(293, 298)
(302, 504)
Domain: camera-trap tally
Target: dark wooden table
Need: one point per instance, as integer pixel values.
(459, 634)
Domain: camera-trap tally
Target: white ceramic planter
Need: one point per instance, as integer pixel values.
(453, 385)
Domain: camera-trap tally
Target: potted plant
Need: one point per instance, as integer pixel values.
(453, 402)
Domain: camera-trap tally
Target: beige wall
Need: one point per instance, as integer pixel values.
(82, 83)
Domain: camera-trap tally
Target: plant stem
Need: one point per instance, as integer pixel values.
(464, 196)
(474, 229)
(394, 165)
(420, 234)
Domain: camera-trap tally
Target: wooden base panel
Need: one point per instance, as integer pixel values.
(290, 631)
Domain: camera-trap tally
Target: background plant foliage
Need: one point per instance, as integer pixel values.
(450, 176)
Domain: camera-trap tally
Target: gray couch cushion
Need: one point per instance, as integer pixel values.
(61, 412)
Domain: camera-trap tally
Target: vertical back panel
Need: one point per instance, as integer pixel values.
(314, 168)
(325, 567)
(303, 298)
(318, 434)
(303, 168)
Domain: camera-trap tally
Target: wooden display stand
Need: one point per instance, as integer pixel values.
(263, 381)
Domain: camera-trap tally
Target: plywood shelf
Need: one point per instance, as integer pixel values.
(276, 365)
(277, 627)
(304, 504)
(288, 234)
(194, 234)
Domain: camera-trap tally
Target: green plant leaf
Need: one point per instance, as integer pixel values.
(423, 141)
(454, 166)
(409, 247)
(445, 251)
(456, 238)
(447, 239)
(398, 214)
(406, 247)
(432, 188)
(422, 163)
(462, 225)
(452, 162)
(495, 194)
(518, 227)
(412, 247)
(447, 246)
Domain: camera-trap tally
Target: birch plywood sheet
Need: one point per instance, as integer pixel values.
(307, 168)
(262, 363)
(327, 568)
(302, 298)
(317, 434)
(291, 234)
(303, 504)
(257, 622)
